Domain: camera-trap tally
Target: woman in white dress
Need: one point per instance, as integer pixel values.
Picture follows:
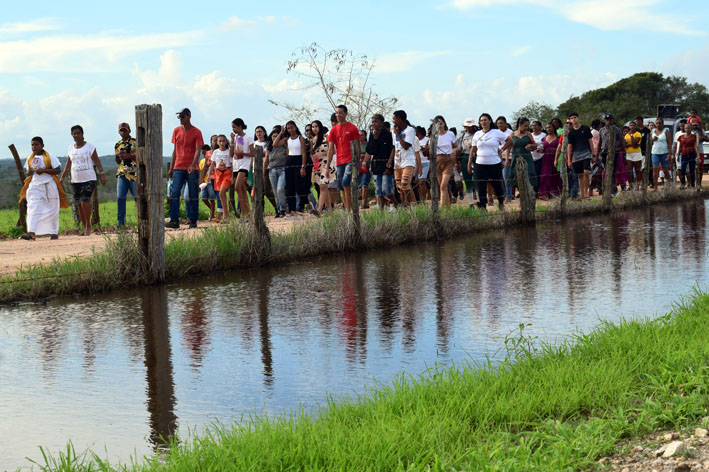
(45, 196)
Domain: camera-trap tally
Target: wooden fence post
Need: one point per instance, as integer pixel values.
(433, 172)
(609, 182)
(527, 204)
(263, 236)
(151, 213)
(22, 219)
(354, 189)
(564, 171)
(647, 160)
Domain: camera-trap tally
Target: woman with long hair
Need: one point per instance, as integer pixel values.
(318, 149)
(275, 165)
(261, 139)
(522, 143)
(295, 165)
(445, 158)
(661, 146)
(241, 150)
(550, 179)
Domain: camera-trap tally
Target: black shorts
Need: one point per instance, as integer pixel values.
(582, 165)
(242, 171)
(83, 190)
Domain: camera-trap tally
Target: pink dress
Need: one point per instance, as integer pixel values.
(550, 179)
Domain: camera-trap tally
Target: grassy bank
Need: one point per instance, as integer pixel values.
(236, 245)
(544, 407)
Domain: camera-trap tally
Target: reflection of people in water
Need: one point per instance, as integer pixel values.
(195, 328)
(354, 308)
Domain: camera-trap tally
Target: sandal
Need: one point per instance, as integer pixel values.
(27, 237)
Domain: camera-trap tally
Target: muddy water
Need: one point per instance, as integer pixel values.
(117, 372)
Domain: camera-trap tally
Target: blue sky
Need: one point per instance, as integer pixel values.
(91, 62)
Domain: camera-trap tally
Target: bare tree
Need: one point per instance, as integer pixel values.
(343, 77)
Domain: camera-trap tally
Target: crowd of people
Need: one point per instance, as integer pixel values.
(477, 167)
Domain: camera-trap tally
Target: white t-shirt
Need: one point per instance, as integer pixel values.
(536, 155)
(488, 145)
(82, 167)
(507, 133)
(423, 144)
(38, 163)
(221, 158)
(406, 156)
(243, 144)
(445, 143)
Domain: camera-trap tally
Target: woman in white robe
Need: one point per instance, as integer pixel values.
(42, 193)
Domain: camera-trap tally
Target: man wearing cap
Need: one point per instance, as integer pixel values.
(125, 158)
(188, 142)
(604, 139)
(464, 144)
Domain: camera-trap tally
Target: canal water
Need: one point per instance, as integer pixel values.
(117, 372)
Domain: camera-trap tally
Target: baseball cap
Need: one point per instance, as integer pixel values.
(124, 125)
(184, 112)
(469, 122)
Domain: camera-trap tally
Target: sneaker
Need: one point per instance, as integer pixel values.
(277, 215)
(173, 225)
(54, 236)
(193, 224)
(391, 208)
(501, 205)
(27, 237)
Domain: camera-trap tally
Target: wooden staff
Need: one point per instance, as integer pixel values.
(22, 219)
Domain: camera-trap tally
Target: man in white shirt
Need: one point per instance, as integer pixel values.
(404, 137)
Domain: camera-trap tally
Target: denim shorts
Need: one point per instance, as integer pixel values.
(208, 192)
(344, 176)
(364, 180)
(383, 185)
(660, 159)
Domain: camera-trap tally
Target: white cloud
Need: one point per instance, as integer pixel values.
(98, 53)
(236, 23)
(519, 51)
(405, 60)
(692, 64)
(42, 24)
(284, 85)
(605, 15)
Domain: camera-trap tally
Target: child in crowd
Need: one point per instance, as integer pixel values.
(223, 172)
(206, 178)
(596, 175)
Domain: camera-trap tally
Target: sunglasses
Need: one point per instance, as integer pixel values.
(123, 129)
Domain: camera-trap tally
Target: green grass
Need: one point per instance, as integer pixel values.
(545, 407)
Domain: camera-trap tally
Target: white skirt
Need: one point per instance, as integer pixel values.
(634, 157)
(43, 208)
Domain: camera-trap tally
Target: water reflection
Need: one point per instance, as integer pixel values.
(158, 364)
(134, 366)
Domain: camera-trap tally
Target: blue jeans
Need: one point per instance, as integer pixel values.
(179, 177)
(364, 180)
(123, 185)
(506, 177)
(383, 185)
(573, 183)
(277, 176)
(687, 161)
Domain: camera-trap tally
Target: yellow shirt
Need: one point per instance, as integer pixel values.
(628, 147)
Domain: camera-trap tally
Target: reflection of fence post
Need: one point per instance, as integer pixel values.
(609, 182)
(433, 172)
(22, 220)
(564, 170)
(647, 161)
(263, 237)
(151, 215)
(354, 188)
(95, 217)
(527, 203)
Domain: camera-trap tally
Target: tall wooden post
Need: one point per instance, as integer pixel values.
(527, 202)
(609, 182)
(151, 219)
(258, 221)
(647, 161)
(22, 219)
(95, 218)
(564, 170)
(354, 189)
(433, 172)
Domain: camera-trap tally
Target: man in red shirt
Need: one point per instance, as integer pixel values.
(188, 142)
(340, 136)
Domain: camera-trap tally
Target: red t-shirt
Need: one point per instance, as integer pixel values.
(694, 119)
(341, 135)
(686, 144)
(186, 144)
